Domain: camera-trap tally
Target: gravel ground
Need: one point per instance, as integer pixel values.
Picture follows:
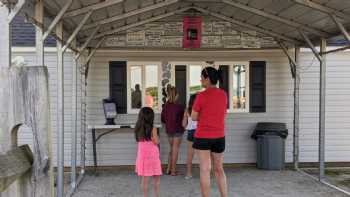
(243, 182)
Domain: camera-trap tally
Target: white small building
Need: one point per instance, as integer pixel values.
(150, 66)
(114, 46)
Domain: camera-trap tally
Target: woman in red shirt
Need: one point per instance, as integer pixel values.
(209, 110)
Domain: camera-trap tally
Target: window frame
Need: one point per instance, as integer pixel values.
(187, 64)
(230, 64)
(143, 65)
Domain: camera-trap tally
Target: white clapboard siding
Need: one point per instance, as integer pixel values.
(120, 148)
(337, 108)
(25, 136)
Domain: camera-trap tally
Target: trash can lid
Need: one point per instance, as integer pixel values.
(270, 128)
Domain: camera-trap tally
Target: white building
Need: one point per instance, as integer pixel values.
(119, 148)
(148, 43)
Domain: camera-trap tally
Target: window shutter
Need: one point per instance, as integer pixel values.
(257, 84)
(181, 83)
(117, 85)
(224, 84)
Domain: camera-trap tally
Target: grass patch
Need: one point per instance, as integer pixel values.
(337, 172)
(345, 182)
(334, 172)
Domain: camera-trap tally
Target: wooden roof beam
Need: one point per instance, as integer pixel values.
(76, 31)
(16, 9)
(276, 18)
(86, 43)
(322, 8)
(292, 62)
(311, 45)
(129, 14)
(100, 42)
(41, 25)
(57, 18)
(341, 27)
(93, 7)
(275, 35)
(142, 22)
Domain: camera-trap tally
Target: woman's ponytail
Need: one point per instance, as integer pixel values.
(220, 78)
(213, 75)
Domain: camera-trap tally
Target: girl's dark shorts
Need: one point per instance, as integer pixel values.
(216, 145)
(190, 135)
(175, 135)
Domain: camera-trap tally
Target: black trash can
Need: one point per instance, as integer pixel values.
(270, 138)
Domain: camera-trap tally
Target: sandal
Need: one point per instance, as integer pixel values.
(188, 177)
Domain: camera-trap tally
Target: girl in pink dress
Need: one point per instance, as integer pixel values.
(148, 160)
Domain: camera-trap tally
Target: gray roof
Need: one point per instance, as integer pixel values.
(281, 19)
(23, 34)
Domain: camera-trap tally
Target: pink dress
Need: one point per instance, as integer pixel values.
(148, 160)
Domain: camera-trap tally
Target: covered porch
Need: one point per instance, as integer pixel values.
(242, 182)
(96, 35)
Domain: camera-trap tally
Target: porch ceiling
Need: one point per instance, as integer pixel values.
(280, 19)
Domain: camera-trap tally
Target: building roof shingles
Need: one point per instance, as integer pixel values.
(23, 34)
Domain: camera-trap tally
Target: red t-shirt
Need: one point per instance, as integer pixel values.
(211, 106)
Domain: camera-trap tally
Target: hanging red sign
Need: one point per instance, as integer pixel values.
(192, 28)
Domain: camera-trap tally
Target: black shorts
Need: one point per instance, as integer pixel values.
(190, 135)
(216, 145)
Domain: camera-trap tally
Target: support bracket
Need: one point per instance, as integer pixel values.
(57, 18)
(94, 50)
(16, 9)
(292, 63)
(76, 31)
(312, 47)
(86, 43)
(341, 27)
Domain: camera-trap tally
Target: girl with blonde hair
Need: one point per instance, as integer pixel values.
(172, 118)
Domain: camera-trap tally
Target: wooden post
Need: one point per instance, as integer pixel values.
(296, 109)
(29, 103)
(83, 115)
(322, 110)
(14, 164)
(5, 99)
(37, 117)
(39, 32)
(74, 121)
(24, 99)
(5, 54)
(5, 41)
(60, 113)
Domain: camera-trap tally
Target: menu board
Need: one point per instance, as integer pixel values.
(172, 41)
(116, 41)
(154, 27)
(173, 28)
(220, 28)
(153, 34)
(207, 28)
(233, 41)
(211, 41)
(136, 38)
(250, 39)
(267, 41)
